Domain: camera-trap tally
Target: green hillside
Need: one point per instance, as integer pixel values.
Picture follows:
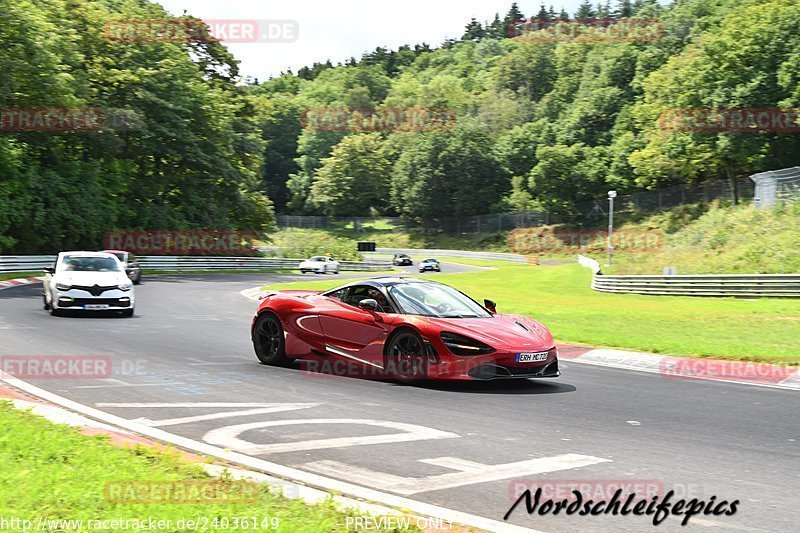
(523, 121)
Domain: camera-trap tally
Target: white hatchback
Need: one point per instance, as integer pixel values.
(320, 264)
(87, 281)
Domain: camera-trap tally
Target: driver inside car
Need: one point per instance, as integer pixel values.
(383, 303)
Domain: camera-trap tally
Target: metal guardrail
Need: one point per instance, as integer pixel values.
(422, 253)
(24, 263)
(741, 285)
(30, 263)
(738, 285)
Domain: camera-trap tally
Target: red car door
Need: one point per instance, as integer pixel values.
(354, 334)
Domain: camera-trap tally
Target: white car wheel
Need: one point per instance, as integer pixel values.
(54, 311)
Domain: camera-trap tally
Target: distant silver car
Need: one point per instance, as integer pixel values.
(320, 264)
(87, 281)
(402, 260)
(429, 265)
(129, 263)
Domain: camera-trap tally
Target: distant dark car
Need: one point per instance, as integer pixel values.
(429, 265)
(402, 260)
(129, 263)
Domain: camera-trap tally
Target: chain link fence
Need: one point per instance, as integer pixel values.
(643, 201)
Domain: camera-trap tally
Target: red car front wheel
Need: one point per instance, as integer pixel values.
(405, 357)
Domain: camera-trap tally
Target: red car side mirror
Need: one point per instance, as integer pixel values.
(370, 305)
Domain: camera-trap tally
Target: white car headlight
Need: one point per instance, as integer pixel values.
(125, 286)
(63, 287)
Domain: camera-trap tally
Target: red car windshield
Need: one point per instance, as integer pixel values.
(435, 300)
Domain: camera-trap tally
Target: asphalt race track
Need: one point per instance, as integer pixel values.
(184, 363)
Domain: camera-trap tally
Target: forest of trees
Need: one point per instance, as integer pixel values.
(537, 124)
(540, 124)
(193, 161)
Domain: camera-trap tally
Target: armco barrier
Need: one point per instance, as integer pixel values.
(423, 253)
(741, 285)
(24, 263)
(155, 262)
(30, 263)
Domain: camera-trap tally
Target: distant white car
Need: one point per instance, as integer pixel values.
(88, 281)
(320, 264)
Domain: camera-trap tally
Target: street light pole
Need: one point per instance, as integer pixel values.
(610, 249)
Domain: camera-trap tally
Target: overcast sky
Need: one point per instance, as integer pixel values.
(337, 30)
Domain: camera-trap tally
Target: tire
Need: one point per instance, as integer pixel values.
(269, 342)
(405, 358)
(45, 305)
(138, 280)
(52, 308)
(127, 312)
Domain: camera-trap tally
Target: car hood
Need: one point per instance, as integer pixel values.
(87, 279)
(500, 331)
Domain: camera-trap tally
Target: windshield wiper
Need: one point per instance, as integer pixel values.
(458, 316)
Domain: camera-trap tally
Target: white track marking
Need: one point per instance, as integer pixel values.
(259, 409)
(454, 463)
(201, 362)
(273, 469)
(227, 414)
(408, 486)
(228, 437)
(253, 293)
(185, 404)
(58, 415)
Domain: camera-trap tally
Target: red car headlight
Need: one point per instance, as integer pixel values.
(461, 345)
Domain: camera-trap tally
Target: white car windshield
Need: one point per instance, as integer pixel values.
(317, 259)
(435, 300)
(89, 264)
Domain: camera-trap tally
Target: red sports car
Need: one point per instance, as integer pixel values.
(401, 328)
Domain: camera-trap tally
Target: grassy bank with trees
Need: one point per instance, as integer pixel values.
(696, 239)
(536, 123)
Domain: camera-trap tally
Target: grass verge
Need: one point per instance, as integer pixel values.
(53, 471)
(15, 275)
(560, 298)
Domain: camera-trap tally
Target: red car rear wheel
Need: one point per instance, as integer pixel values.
(269, 341)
